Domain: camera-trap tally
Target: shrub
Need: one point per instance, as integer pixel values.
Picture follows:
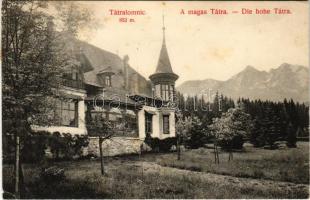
(34, 146)
(235, 143)
(67, 146)
(163, 145)
(55, 144)
(81, 141)
(52, 174)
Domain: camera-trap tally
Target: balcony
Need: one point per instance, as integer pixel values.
(77, 84)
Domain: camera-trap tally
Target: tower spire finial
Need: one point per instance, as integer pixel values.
(164, 28)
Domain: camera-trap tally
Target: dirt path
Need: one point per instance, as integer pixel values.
(222, 180)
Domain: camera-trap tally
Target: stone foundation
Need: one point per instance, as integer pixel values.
(116, 146)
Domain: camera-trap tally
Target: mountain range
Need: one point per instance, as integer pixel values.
(286, 81)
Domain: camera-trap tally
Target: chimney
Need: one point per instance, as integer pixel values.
(125, 61)
(137, 83)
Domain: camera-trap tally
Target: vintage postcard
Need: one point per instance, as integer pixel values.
(155, 99)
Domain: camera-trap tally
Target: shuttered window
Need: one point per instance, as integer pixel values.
(166, 124)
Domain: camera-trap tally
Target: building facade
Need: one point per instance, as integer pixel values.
(103, 85)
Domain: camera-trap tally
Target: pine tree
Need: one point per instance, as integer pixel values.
(196, 136)
(291, 136)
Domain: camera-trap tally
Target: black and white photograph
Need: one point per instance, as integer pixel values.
(155, 99)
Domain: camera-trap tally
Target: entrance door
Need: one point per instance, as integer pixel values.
(148, 124)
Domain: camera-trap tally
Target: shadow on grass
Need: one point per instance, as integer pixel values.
(64, 189)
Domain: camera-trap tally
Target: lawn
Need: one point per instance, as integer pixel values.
(127, 178)
(290, 165)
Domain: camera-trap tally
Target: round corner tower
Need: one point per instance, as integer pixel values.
(163, 80)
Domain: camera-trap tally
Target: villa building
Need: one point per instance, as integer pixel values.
(103, 84)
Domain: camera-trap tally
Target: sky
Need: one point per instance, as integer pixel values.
(205, 46)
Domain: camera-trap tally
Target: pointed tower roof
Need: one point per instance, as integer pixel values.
(164, 65)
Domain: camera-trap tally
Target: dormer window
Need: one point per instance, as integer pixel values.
(107, 81)
(105, 76)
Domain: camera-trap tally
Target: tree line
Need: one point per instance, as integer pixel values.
(269, 121)
(274, 121)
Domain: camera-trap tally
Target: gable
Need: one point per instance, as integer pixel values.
(96, 60)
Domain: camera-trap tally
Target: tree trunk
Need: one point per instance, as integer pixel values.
(22, 189)
(178, 148)
(140, 153)
(101, 156)
(216, 154)
(230, 157)
(17, 168)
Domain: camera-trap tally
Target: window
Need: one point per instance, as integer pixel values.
(166, 124)
(165, 92)
(157, 91)
(171, 92)
(148, 123)
(107, 80)
(73, 78)
(67, 113)
(131, 123)
(72, 74)
(122, 124)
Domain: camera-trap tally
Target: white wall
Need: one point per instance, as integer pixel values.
(171, 124)
(141, 124)
(141, 121)
(157, 122)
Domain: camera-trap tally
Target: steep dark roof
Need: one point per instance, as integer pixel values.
(164, 65)
(85, 64)
(164, 69)
(97, 60)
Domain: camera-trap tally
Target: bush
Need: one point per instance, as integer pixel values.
(235, 143)
(35, 144)
(67, 146)
(163, 145)
(52, 174)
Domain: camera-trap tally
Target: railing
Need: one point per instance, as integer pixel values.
(78, 84)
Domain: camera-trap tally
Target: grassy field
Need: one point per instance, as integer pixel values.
(290, 165)
(126, 178)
